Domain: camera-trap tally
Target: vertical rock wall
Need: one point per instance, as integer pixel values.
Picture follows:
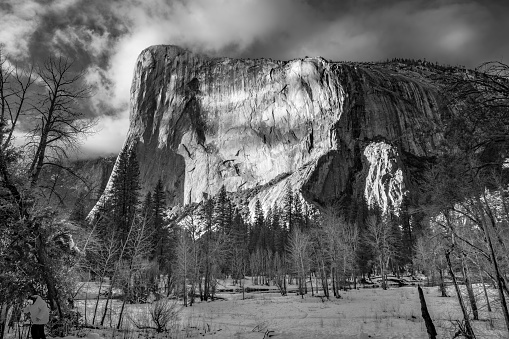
(199, 123)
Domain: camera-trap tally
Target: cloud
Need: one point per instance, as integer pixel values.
(19, 21)
(108, 138)
(449, 32)
(106, 36)
(209, 26)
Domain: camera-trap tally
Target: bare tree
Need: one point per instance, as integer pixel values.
(381, 238)
(280, 271)
(188, 258)
(349, 239)
(255, 263)
(330, 236)
(102, 258)
(59, 120)
(184, 261)
(138, 251)
(429, 255)
(321, 258)
(299, 250)
(468, 331)
(15, 99)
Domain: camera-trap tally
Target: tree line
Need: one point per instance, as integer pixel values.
(219, 239)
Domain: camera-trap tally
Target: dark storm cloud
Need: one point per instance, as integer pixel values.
(453, 32)
(105, 37)
(72, 30)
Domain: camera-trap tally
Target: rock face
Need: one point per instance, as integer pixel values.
(85, 180)
(336, 132)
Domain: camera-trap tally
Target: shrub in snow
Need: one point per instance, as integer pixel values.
(161, 316)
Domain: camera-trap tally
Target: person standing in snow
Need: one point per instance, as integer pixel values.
(39, 315)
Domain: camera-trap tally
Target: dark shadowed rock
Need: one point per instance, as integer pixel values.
(80, 179)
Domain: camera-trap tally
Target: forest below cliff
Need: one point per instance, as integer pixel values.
(455, 232)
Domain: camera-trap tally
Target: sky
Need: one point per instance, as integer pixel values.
(104, 37)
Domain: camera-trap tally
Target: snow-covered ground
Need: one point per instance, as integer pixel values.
(393, 313)
(364, 313)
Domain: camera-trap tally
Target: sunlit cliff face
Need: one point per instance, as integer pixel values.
(385, 187)
(333, 131)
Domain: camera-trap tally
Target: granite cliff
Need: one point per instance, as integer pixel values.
(336, 132)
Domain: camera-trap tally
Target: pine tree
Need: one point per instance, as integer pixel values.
(125, 192)
(259, 218)
(259, 226)
(298, 218)
(238, 251)
(223, 212)
(146, 208)
(309, 215)
(208, 238)
(279, 233)
(288, 217)
(160, 234)
(270, 231)
(239, 234)
(254, 234)
(147, 217)
(78, 212)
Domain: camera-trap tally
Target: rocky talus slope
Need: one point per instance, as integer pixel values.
(336, 132)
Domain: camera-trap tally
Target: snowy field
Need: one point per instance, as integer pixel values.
(364, 313)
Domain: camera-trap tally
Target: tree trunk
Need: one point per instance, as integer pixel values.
(301, 290)
(184, 291)
(284, 284)
(242, 283)
(469, 333)
(333, 283)
(97, 300)
(382, 271)
(110, 290)
(311, 282)
(121, 314)
(500, 278)
(206, 282)
(126, 294)
(192, 293)
(443, 289)
(430, 328)
(200, 289)
(325, 284)
(485, 294)
(86, 299)
(47, 275)
(470, 291)
(5, 318)
(337, 287)
(36, 166)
